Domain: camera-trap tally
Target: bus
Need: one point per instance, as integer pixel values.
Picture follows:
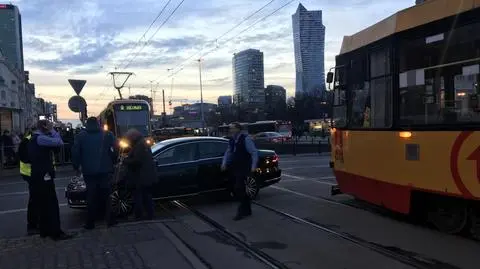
(121, 115)
(172, 132)
(406, 114)
(282, 127)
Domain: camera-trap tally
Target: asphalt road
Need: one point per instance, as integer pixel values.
(306, 181)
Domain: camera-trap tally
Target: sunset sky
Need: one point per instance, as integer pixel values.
(87, 39)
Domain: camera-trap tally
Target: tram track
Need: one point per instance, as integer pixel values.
(259, 255)
(411, 259)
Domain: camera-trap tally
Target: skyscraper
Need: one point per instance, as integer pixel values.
(11, 42)
(309, 47)
(248, 78)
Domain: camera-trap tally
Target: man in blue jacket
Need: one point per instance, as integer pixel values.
(94, 153)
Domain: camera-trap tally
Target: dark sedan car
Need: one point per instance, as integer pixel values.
(186, 167)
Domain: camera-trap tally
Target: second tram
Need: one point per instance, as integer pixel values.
(121, 115)
(406, 114)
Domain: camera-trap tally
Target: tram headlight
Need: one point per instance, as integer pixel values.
(105, 127)
(149, 141)
(123, 144)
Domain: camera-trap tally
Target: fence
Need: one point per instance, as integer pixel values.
(296, 146)
(9, 156)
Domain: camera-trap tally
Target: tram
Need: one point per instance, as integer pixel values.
(121, 115)
(406, 114)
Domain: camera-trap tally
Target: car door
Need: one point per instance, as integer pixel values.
(210, 176)
(177, 169)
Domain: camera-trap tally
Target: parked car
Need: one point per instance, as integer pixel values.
(269, 137)
(186, 166)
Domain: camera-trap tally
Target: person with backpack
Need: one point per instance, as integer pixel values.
(33, 215)
(240, 159)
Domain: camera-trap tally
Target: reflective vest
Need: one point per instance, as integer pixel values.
(26, 168)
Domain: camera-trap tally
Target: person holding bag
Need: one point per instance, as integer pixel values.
(141, 174)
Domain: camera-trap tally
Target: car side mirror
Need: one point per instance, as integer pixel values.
(329, 77)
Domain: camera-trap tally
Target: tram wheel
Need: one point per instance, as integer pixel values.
(475, 223)
(449, 218)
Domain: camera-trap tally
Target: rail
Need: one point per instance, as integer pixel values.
(409, 259)
(258, 254)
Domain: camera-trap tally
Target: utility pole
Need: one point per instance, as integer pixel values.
(201, 93)
(164, 114)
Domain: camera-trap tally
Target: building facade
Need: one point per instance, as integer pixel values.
(309, 48)
(224, 101)
(11, 41)
(248, 78)
(275, 101)
(10, 87)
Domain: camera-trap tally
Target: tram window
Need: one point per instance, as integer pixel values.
(379, 114)
(339, 97)
(360, 106)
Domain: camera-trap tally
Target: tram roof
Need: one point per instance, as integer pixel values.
(429, 11)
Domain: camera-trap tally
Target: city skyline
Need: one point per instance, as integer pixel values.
(85, 40)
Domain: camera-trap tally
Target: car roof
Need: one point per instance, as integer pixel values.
(178, 140)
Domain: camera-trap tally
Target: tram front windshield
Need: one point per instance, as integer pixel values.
(126, 120)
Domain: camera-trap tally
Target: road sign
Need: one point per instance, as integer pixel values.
(77, 85)
(77, 104)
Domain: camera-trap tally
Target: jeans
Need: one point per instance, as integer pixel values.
(143, 201)
(98, 198)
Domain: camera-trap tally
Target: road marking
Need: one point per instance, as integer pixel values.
(11, 211)
(23, 182)
(312, 180)
(318, 199)
(23, 192)
(302, 167)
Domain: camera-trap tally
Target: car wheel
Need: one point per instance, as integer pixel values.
(252, 187)
(122, 202)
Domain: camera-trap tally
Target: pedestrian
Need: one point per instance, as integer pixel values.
(94, 155)
(240, 160)
(44, 142)
(33, 215)
(141, 173)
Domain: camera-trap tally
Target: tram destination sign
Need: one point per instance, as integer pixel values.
(131, 107)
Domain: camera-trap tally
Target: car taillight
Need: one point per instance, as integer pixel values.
(275, 158)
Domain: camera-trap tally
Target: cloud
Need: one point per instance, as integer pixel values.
(89, 38)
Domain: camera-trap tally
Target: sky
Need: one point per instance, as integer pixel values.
(70, 39)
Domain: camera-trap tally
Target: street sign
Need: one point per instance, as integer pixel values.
(77, 104)
(77, 85)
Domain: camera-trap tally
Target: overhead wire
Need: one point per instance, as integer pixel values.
(143, 36)
(155, 33)
(181, 65)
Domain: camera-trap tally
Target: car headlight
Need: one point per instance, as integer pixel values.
(149, 141)
(80, 185)
(123, 144)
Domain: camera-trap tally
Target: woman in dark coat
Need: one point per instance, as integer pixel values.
(141, 172)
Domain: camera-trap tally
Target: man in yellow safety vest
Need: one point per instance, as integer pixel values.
(33, 188)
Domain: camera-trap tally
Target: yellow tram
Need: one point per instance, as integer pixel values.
(406, 114)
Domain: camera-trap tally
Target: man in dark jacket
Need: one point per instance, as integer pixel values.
(141, 171)
(45, 141)
(241, 159)
(94, 153)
